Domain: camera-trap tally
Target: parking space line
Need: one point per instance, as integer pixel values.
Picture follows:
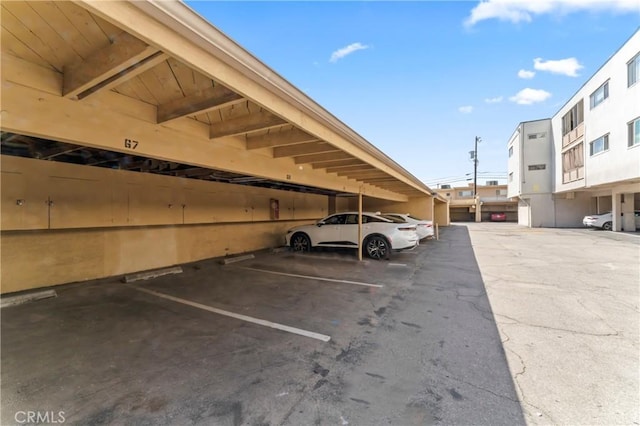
(311, 277)
(258, 321)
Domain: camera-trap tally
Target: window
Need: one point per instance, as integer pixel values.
(573, 118)
(501, 192)
(370, 219)
(537, 167)
(511, 177)
(573, 163)
(633, 71)
(468, 193)
(335, 220)
(599, 145)
(599, 95)
(634, 132)
(537, 135)
(510, 151)
(352, 219)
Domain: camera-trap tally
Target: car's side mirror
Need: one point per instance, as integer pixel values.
(319, 223)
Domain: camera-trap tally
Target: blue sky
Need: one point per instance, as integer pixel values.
(420, 79)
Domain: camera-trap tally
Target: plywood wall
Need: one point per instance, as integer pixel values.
(40, 194)
(64, 223)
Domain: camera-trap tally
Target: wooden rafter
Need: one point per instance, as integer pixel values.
(336, 169)
(245, 124)
(319, 158)
(382, 179)
(109, 66)
(303, 149)
(364, 173)
(275, 139)
(342, 162)
(203, 101)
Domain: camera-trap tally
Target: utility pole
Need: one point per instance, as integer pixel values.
(475, 167)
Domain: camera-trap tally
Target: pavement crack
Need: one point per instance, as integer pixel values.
(520, 392)
(480, 388)
(566, 330)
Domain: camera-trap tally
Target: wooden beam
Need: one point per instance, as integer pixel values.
(303, 149)
(336, 169)
(113, 61)
(202, 101)
(381, 180)
(364, 173)
(343, 162)
(274, 139)
(319, 158)
(247, 123)
(118, 123)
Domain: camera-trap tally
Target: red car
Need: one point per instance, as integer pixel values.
(498, 217)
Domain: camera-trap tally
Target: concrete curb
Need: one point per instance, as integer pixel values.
(235, 259)
(24, 298)
(151, 274)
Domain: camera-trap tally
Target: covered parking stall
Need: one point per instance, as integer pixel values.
(135, 135)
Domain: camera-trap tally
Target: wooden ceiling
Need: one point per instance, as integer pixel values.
(93, 56)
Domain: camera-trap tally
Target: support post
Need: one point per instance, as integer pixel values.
(360, 224)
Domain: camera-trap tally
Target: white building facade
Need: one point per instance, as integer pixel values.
(586, 158)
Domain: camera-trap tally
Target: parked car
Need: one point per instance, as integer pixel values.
(380, 235)
(605, 220)
(498, 217)
(423, 227)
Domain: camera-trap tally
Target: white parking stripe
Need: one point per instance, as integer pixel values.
(258, 321)
(310, 277)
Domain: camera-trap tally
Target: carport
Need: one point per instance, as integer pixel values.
(136, 135)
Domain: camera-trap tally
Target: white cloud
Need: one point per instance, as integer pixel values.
(530, 96)
(569, 66)
(467, 109)
(526, 74)
(524, 10)
(341, 53)
(495, 100)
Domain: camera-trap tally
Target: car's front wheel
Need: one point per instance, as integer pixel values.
(607, 226)
(377, 248)
(300, 242)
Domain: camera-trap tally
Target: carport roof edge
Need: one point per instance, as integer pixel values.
(181, 18)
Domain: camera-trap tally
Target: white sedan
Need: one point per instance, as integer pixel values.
(423, 227)
(380, 235)
(605, 220)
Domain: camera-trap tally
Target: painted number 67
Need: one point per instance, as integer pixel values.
(130, 143)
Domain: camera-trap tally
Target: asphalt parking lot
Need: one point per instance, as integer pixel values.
(492, 324)
(567, 304)
(411, 341)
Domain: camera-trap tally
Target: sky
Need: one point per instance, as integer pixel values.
(421, 79)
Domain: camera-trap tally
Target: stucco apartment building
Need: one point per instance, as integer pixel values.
(586, 158)
(490, 198)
